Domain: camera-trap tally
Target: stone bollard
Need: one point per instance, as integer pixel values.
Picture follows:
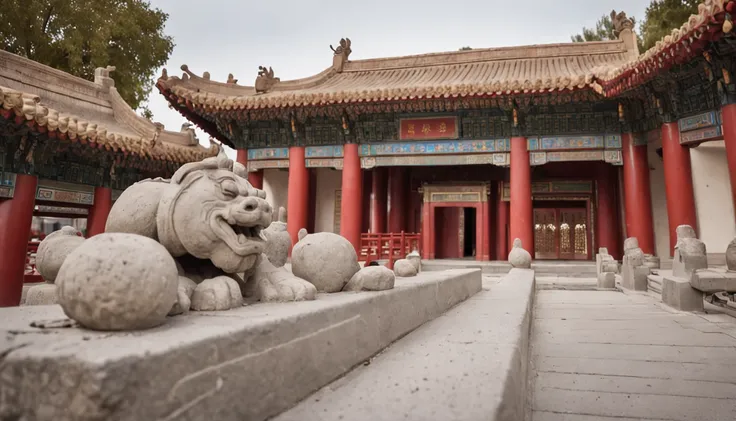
(519, 257)
(634, 272)
(690, 253)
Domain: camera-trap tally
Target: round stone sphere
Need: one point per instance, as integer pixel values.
(326, 260)
(117, 281)
(54, 249)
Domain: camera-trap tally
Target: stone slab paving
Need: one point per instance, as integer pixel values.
(602, 355)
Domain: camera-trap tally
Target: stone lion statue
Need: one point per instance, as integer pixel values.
(211, 220)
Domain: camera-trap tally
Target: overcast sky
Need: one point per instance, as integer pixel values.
(293, 36)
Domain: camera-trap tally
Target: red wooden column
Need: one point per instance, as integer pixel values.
(298, 193)
(97, 217)
(485, 226)
(521, 195)
(606, 216)
(427, 231)
(637, 194)
(397, 199)
(729, 136)
(242, 157)
(379, 196)
(312, 208)
(502, 221)
(352, 196)
(678, 182)
(16, 215)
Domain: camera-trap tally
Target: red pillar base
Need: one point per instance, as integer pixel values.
(97, 217)
(16, 216)
(502, 222)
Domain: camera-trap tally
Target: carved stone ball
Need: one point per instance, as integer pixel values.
(42, 295)
(404, 268)
(141, 200)
(731, 255)
(416, 259)
(371, 278)
(519, 257)
(117, 281)
(54, 249)
(324, 259)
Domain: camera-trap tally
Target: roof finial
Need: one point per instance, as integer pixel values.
(231, 79)
(621, 22)
(342, 52)
(265, 80)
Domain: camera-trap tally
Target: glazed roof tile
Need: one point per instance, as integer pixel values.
(601, 66)
(93, 112)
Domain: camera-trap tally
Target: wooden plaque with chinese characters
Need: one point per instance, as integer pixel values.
(428, 128)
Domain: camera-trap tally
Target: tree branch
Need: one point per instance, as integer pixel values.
(46, 21)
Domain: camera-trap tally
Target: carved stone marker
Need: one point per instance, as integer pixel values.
(606, 269)
(634, 273)
(690, 253)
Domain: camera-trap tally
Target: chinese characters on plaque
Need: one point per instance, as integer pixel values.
(428, 128)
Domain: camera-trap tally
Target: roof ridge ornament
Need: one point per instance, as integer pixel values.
(265, 80)
(342, 52)
(102, 76)
(621, 22)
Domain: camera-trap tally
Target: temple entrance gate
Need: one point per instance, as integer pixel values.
(449, 214)
(561, 233)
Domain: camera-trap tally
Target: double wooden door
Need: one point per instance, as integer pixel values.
(561, 233)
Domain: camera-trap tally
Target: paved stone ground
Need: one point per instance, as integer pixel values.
(602, 355)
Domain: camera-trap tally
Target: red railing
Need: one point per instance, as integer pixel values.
(389, 246)
(31, 274)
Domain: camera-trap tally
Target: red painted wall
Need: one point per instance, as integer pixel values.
(447, 233)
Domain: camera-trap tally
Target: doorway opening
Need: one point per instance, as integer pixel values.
(469, 232)
(561, 230)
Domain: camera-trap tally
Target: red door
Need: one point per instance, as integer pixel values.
(560, 233)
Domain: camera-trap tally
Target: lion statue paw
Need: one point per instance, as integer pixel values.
(214, 294)
(278, 284)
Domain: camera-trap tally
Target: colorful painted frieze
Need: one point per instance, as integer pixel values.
(699, 121)
(62, 210)
(436, 147)
(537, 158)
(268, 153)
(332, 151)
(571, 142)
(7, 192)
(427, 160)
(700, 135)
(324, 163)
(540, 188)
(64, 196)
(575, 156)
(258, 165)
(613, 141)
(613, 157)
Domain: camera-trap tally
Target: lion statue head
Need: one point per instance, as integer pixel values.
(210, 211)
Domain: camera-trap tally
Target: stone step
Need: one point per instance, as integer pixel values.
(249, 363)
(571, 269)
(654, 284)
(469, 364)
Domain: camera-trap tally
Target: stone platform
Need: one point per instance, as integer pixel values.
(245, 364)
(547, 268)
(468, 364)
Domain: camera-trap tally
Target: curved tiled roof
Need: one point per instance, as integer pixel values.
(607, 67)
(93, 113)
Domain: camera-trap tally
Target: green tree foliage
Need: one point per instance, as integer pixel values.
(662, 16)
(603, 31)
(77, 36)
(465, 48)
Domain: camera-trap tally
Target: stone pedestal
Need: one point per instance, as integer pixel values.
(683, 265)
(634, 277)
(713, 280)
(680, 295)
(607, 280)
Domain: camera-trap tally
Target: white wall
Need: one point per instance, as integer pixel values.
(328, 181)
(659, 202)
(713, 202)
(275, 184)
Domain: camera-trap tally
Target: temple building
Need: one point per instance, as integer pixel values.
(68, 148)
(568, 147)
